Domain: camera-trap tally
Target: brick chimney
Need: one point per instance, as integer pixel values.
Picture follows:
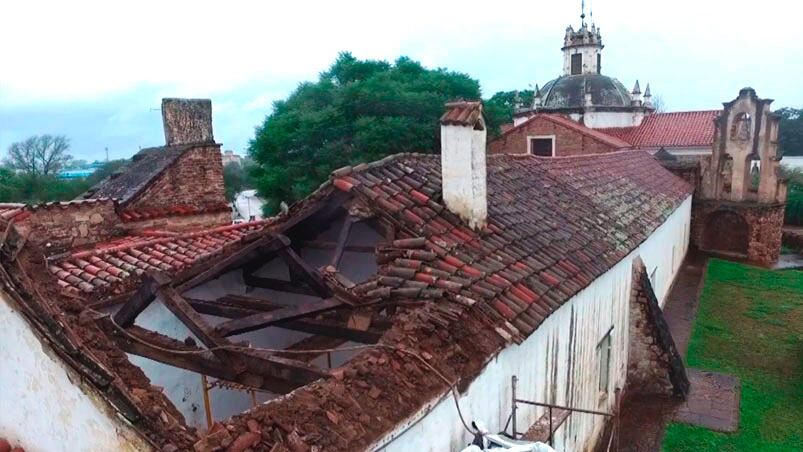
(187, 121)
(463, 137)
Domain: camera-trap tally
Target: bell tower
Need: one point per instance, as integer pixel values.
(582, 49)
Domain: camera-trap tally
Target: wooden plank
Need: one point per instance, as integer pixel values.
(310, 275)
(169, 351)
(332, 329)
(141, 298)
(312, 343)
(234, 306)
(342, 239)
(327, 245)
(279, 285)
(263, 319)
(313, 326)
(198, 326)
(254, 250)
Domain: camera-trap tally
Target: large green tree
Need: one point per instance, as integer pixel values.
(500, 107)
(790, 132)
(357, 111)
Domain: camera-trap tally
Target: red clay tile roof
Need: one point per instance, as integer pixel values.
(679, 129)
(610, 140)
(554, 225)
(10, 211)
(107, 266)
(462, 113)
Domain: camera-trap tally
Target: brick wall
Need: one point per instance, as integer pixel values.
(654, 365)
(195, 179)
(62, 226)
(567, 141)
(764, 227)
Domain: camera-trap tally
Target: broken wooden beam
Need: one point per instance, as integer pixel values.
(332, 329)
(277, 374)
(327, 245)
(264, 319)
(278, 285)
(310, 275)
(342, 239)
(234, 306)
(141, 298)
(198, 326)
(255, 250)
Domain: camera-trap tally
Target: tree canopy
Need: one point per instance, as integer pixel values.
(357, 111)
(790, 132)
(40, 155)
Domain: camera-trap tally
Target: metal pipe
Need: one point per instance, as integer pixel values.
(550, 405)
(550, 426)
(513, 415)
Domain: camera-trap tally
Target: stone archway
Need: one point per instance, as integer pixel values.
(726, 231)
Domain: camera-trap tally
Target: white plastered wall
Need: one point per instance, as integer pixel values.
(559, 362)
(44, 405)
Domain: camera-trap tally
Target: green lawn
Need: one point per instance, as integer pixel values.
(750, 324)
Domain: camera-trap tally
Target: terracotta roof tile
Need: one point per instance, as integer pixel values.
(117, 261)
(678, 129)
(462, 113)
(554, 225)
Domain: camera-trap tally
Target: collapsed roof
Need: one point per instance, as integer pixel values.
(554, 225)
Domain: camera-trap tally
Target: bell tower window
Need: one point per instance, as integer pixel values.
(577, 64)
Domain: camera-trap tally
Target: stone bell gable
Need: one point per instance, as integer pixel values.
(742, 195)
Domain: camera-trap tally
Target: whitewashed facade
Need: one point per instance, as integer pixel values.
(560, 361)
(44, 405)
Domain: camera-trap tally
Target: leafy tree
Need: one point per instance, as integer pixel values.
(357, 111)
(39, 155)
(9, 185)
(500, 107)
(790, 132)
(233, 176)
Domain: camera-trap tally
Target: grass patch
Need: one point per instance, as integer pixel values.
(750, 324)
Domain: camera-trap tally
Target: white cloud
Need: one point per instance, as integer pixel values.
(245, 54)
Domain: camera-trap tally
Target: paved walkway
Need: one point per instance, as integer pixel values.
(713, 401)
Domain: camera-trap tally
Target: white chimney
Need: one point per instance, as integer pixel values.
(463, 137)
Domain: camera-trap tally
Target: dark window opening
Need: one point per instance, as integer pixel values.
(541, 146)
(577, 63)
(599, 63)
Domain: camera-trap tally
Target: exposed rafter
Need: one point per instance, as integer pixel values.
(264, 319)
(141, 298)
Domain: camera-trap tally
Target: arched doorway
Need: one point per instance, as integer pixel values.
(726, 231)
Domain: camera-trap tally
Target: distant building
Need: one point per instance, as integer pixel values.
(76, 173)
(248, 206)
(231, 157)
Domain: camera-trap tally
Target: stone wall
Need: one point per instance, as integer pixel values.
(567, 141)
(181, 222)
(654, 364)
(187, 121)
(764, 228)
(195, 180)
(62, 226)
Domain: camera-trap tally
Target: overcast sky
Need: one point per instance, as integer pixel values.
(96, 71)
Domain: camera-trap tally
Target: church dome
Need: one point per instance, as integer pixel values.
(568, 92)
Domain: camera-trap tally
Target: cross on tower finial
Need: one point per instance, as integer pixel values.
(583, 13)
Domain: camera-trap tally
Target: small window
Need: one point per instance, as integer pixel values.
(577, 63)
(599, 63)
(543, 147)
(604, 348)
